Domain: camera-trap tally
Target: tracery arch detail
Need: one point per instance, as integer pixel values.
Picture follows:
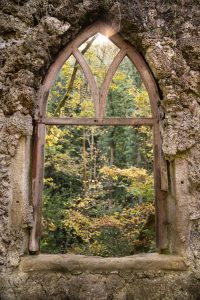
(99, 96)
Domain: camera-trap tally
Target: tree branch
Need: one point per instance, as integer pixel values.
(73, 77)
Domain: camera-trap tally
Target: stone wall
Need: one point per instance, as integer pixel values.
(165, 33)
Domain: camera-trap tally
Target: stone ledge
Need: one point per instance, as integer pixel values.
(94, 264)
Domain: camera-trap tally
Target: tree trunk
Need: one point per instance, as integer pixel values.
(71, 82)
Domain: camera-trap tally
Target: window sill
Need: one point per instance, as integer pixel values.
(80, 263)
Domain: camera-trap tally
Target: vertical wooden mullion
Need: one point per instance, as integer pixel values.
(107, 80)
(160, 196)
(91, 80)
(37, 186)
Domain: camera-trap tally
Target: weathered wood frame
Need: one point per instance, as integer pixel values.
(99, 97)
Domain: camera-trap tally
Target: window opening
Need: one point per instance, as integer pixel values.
(99, 55)
(70, 94)
(127, 96)
(98, 196)
(85, 132)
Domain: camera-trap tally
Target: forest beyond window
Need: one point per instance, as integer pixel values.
(98, 192)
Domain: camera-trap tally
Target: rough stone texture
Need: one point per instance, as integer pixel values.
(157, 285)
(13, 128)
(166, 34)
(80, 263)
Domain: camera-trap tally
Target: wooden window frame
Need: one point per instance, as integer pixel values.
(99, 97)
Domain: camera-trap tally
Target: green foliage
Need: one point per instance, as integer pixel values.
(135, 181)
(127, 96)
(72, 90)
(90, 206)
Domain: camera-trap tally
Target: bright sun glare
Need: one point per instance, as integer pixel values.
(101, 39)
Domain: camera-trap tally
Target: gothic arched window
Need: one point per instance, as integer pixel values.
(84, 90)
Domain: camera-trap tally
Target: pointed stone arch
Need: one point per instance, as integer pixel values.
(99, 97)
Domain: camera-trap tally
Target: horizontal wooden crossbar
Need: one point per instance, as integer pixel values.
(98, 122)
